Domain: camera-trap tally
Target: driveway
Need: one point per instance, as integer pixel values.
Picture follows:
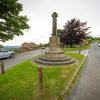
(88, 86)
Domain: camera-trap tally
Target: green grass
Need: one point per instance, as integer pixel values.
(21, 81)
(77, 48)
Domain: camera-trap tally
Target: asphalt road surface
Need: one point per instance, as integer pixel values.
(19, 58)
(88, 86)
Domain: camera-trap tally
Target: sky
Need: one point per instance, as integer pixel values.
(40, 21)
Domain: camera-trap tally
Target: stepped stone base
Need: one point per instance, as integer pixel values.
(54, 55)
(57, 61)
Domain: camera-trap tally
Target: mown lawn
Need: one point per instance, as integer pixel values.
(21, 81)
(77, 48)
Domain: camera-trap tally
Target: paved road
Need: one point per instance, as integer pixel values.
(88, 87)
(19, 58)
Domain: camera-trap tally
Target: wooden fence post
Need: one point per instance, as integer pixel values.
(2, 67)
(40, 77)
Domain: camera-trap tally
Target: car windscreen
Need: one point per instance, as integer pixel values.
(3, 50)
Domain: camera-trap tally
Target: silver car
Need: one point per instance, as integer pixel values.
(98, 44)
(6, 53)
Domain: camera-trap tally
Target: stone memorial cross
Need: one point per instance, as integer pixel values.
(54, 24)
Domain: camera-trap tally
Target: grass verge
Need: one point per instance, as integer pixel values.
(21, 81)
(67, 92)
(77, 48)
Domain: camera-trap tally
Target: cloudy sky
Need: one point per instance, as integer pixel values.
(39, 14)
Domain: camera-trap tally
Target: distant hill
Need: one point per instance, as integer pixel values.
(9, 47)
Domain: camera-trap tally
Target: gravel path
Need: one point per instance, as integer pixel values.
(88, 87)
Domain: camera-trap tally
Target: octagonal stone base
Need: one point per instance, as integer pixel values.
(55, 55)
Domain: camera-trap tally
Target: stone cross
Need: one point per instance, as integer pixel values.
(54, 24)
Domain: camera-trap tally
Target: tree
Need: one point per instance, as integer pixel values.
(74, 32)
(11, 22)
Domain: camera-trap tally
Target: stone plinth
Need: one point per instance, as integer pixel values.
(54, 51)
(54, 54)
(54, 42)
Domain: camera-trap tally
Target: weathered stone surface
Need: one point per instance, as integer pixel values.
(54, 53)
(56, 59)
(55, 62)
(54, 24)
(54, 42)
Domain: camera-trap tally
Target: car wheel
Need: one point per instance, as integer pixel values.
(12, 55)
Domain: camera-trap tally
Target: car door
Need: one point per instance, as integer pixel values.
(1, 54)
(4, 53)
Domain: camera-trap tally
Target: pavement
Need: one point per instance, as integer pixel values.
(88, 86)
(84, 52)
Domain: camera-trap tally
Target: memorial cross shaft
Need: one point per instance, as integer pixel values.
(54, 24)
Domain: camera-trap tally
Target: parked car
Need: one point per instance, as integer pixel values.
(98, 44)
(6, 53)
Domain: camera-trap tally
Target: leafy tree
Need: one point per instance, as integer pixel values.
(74, 32)
(11, 22)
(59, 32)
